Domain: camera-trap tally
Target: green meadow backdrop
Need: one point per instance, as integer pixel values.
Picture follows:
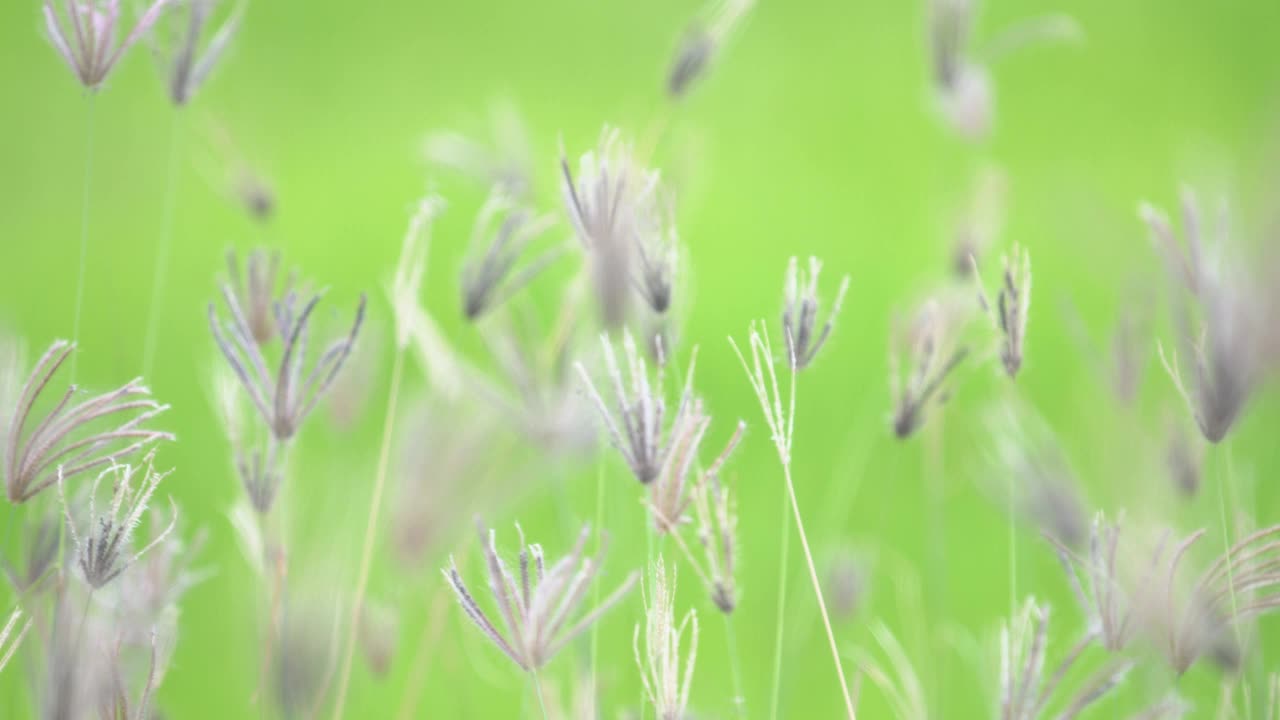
(814, 133)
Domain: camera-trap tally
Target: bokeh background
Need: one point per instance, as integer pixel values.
(815, 133)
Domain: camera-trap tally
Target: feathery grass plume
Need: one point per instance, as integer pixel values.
(536, 608)
(962, 86)
(702, 40)
(668, 493)
(43, 540)
(261, 473)
(1188, 622)
(502, 161)
(657, 255)
(9, 642)
(1103, 594)
(641, 409)
(1183, 459)
(105, 549)
(1031, 474)
(189, 57)
(1013, 305)
(227, 169)
(979, 221)
(930, 344)
(92, 49)
(961, 77)
(286, 398)
(781, 426)
(609, 203)
(898, 682)
(1224, 349)
(1025, 692)
(543, 400)
(69, 441)
(664, 682)
(503, 230)
(800, 313)
(717, 516)
(255, 290)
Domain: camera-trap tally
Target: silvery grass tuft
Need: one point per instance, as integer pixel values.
(190, 56)
(717, 522)
(641, 406)
(286, 396)
(1031, 475)
(1097, 580)
(91, 47)
(502, 232)
(933, 355)
(1012, 307)
(702, 40)
(610, 202)
(1224, 348)
(657, 256)
(537, 606)
(72, 439)
(800, 327)
(1189, 621)
(898, 681)
(9, 641)
(665, 682)
(255, 289)
(1025, 691)
(105, 548)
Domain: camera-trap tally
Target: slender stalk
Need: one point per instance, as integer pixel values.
(84, 224)
(595, 591)
(537, 689)
(370, 532)
(735, 667)
(167, 212)
(783, 544)
(1224, 489)
(817, 591)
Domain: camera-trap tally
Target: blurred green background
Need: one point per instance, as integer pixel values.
(815, 133)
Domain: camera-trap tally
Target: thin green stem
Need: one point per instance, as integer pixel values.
(84, 224)
(735, 667)
(537, 689)
(595, 591)
(370, 533)
(1224, 489)
(167, 212)
(784, 549)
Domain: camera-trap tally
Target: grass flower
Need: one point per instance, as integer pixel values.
(979, 221)
(536, 608)
(1025, 692)
(1013, 304)
(657, 258)
(1225, 349)
(899, 682)
(286, 397)
(717, 527)
(260, 473)
(934, 357)
(69, 440)
(489, 277)
(1098, 586)
(91, 48)
(609, 203)
(104, 550)
(641, 409)
(190, 64)
(255, 291)
(1236, 587)
(701, 42)
(666, 684)
(800, 313)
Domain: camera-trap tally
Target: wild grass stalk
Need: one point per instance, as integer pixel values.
(782, 427)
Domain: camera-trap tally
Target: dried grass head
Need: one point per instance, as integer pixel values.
(502, 233)
(535, 608)
(666, 683)
(930, 343)
(190, 51)
(91, 47)
(804, 335)
(73, 438)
